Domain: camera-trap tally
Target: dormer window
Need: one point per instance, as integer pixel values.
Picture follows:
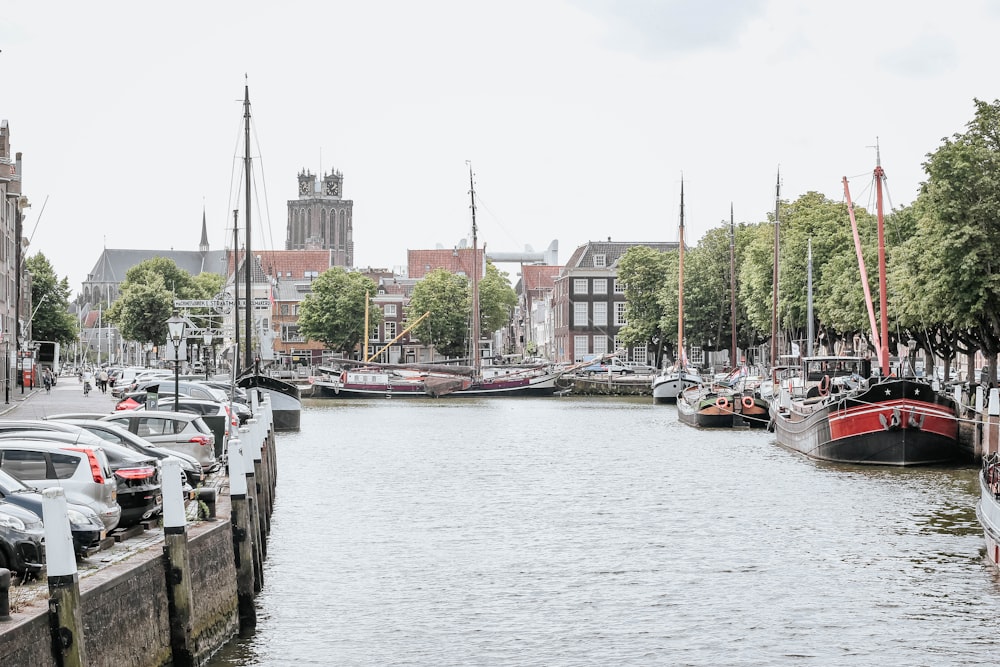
(600, 260)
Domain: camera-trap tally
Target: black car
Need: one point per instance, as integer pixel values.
(137, 476)
(85, 525)
(22, 540)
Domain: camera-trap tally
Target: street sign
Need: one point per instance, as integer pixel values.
(223, 305)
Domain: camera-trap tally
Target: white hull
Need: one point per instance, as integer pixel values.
(988, 511)
(669, 385)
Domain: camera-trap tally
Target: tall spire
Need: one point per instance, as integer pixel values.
(203, 246)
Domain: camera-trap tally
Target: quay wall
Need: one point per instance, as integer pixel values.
(601, 386)
(124, 607)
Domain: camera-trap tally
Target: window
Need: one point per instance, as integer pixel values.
(697, 356)
(600, 314)
(619, 287)
(390, 330)
(620, 320)
(284, 309)
(579, 286)
(580, 314)
(581, 346)
(618, 344)
(639, 355)
(64, 465)
(290, 333)
(390, 310)
(23, 465)
(601, 286)
(600, 344)
(600, 260)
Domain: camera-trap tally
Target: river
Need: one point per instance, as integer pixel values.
(588, 531)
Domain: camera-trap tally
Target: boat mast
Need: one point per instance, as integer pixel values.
(248, 360)
(732, 282)
(876, 336)
(681, 357)
(236, 289)
(774, 276)
(810, 334)
(883, 300)
(475, 276)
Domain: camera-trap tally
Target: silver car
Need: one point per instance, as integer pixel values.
(82, 471)
(179, 431)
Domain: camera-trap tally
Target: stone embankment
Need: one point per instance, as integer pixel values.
(130, 609)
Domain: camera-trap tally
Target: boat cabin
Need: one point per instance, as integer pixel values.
(816, 368)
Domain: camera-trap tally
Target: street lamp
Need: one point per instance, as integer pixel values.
(207, 339)
(175, 329)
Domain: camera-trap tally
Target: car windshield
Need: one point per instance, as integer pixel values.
(13, 483)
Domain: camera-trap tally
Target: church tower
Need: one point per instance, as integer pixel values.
(320, 219)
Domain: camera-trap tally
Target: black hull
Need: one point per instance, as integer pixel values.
(899, 422)
(286, 401)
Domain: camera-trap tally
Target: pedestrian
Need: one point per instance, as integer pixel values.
(102, 381)
(47, 379)
(88, 378)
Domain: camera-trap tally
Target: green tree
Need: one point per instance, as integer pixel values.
(645, 273)
(147, 296)
(961, 233)
(142, 310)
(334, 312)
(496, 300)
(50, 296)
(446, 297)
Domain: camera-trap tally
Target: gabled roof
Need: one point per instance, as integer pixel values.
(583, 256)
(113, 264)
(536, 277)
(454, 260)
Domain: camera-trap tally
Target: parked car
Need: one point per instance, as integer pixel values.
(119, 435)
(217, 415)
(22, 540)
(137, 475)
(84, 524)
(639, 368)
(609, 366)
(177, 431)
(82, 470)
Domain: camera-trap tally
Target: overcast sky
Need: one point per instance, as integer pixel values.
(579, 116)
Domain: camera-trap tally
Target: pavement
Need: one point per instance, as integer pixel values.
(66, 396)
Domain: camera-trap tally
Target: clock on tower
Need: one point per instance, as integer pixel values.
(332, 188)
(303, 187)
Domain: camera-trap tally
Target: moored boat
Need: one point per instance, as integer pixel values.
(839, 415)
(670, 382)
(286, 402)
(729, 403)
(988, 507)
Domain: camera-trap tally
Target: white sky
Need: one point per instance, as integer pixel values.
(579, 116)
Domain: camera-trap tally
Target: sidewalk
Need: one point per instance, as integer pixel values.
(66, 396)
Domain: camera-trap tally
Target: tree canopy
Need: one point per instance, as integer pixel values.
(334, 313)
(50, 296)
(446, 297)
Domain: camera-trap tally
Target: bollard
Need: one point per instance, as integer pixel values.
(242, 547)
(177, 565)
(263, 502)
(65, 618)
(4, 594)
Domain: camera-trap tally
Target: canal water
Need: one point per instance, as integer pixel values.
(588, 531)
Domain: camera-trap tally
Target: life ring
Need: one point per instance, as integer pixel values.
(747, 402)
(722, 402)
(824, 385)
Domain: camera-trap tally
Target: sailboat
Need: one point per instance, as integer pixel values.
(286, 403)
(670, 382)
(370, 380)
(839, 411)
(729, 402)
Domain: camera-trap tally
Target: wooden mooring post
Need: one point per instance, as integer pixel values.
(65, 618)
(177, 565)
(242, 546)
